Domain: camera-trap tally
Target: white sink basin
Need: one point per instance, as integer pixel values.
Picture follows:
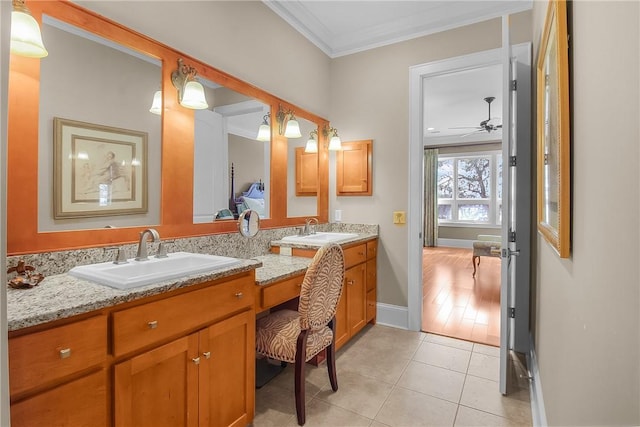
(141, 273)
(320, 238)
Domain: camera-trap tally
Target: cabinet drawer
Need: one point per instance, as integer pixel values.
(372, 249)
(140, 326)
(38, 358)
(355, 255)
(282, 291)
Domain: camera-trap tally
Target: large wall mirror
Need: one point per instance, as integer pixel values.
(89, 88)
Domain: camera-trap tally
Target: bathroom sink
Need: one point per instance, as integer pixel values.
(319, 238)
(141, 273)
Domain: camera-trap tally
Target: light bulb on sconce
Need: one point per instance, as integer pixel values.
(156, 105)
(26, 39)
(292, 128)
(264, 131)
(335, 143)
(312, 143)
(190, 91)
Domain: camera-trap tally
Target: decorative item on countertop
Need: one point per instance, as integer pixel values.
(24, 277)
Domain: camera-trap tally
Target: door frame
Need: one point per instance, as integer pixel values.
(415, 209)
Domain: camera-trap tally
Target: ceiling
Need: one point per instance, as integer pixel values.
(341, 28)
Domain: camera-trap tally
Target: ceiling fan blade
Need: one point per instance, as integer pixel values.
(467, 127)
(471, 133)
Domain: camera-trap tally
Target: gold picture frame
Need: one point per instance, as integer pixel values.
(553, 121)
(98, 170)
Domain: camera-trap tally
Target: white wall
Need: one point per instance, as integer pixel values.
(370, 100)
(586, 320)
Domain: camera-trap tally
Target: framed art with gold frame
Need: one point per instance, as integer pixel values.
(98, 170)
(553, 126)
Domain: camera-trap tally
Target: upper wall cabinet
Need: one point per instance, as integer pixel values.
(354, 168)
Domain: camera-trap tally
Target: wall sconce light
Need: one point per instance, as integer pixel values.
(335, 143)
(264, 131)
(292, 129)
(156, 105)
(190, 91)
(26, 39)
(312, 143)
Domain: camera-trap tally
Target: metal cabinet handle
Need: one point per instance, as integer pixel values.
(196, 360)
(65, 353)
(239, 295)
(207, 354)
(350, 282)
(153, 324)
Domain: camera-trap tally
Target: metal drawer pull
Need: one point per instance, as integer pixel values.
(196, 360)
(153, 324)
(350, 282)
(65, 353)
(239, 295)
(207, 354)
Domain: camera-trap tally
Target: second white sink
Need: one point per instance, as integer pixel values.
(141, 273)
(320, 238)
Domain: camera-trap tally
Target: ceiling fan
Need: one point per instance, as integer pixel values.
(488, 125)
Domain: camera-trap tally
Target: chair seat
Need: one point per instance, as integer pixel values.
(277, 334)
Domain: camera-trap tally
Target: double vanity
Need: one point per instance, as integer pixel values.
(176, 351)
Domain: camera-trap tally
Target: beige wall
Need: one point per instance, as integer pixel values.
(243, 38)
(586, 317)
(370, 100)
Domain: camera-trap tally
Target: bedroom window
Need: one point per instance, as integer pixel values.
(470, 188)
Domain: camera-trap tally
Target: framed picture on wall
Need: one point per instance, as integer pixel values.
(98, 170)
(554, 145)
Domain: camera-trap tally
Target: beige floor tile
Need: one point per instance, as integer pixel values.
(489, 350)
(275, 406)
(321, 414)
(469, 417)
(357, 393)
(386, 341)
(410, 408)
(432, 380)
(483, 394)
(375, 423)
(484, 366)
(443, 356)
(451, 342)
(381, 366)
(316, 379)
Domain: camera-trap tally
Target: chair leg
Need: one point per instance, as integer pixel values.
(301, 353)
(473, 261)
(331, 358)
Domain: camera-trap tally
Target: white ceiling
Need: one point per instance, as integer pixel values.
(341, 28)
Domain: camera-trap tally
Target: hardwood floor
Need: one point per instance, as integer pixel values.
(454, 303)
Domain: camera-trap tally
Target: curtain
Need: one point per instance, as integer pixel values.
(430, 197)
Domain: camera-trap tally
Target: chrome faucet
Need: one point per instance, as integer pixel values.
(307, 226)
(142, 244)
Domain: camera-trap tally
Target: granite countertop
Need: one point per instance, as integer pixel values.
(361, 237)
(278, 267)
(62, 295)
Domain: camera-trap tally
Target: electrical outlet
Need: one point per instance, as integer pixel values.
(399, 217)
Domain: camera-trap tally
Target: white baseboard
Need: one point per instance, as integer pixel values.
(392, 315)
(455, 243)
(538, 414)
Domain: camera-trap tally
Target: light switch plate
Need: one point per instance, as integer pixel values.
(337, 217)
(399, 217)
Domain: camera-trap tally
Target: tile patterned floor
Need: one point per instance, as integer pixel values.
(393, 377)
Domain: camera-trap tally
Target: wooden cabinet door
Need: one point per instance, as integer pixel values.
(354, 169)
(227, 372)
(82, 402)
(159, 387)
(355, 282)
(371, 289)
(342, 327)
(306, 173)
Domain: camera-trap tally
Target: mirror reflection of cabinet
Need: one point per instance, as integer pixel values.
(306, 173)
(305, 204)
(354, 168)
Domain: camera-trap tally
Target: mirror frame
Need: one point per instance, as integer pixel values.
(177, 155)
